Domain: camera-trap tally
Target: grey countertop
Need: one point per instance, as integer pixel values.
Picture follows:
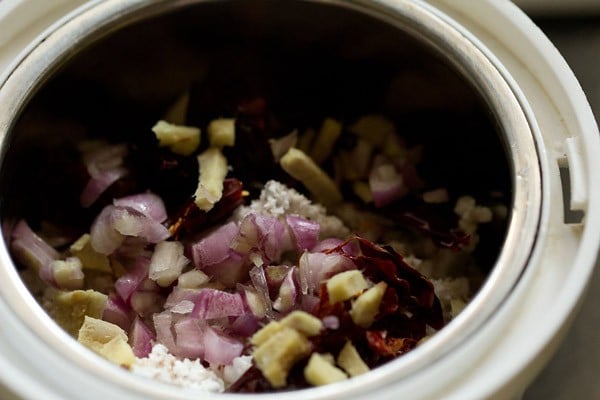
(573, 373)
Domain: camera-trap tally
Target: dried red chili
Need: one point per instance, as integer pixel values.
(191, 219)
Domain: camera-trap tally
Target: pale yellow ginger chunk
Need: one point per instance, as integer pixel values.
(345, 285)
(366, 306)
(329, 133)
(90, 258)
(70, 308)
(350, 360)
(255, 301)
(67, 273)
(301, 167)
(321, 371)
(303, 322)
(278, 354)
(106, 339)
(374, 128)
(180, 139)
(118, 351)
(281, 344)
(221, 132)
(328, 357)
(266, 332)
(213, 169)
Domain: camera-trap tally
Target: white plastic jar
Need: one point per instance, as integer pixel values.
(508, 347)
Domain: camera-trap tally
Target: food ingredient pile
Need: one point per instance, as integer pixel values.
(236, 257)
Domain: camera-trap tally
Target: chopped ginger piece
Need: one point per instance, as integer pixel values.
(180, 139)
(303, 322)
(329, 133)
(106, 339)
(213, 169)
(277, 355)
(320, 371)
(366, 306)
(303, 168)
(221, 132)
(67, 273)
(345, 285)
(350, 360)
(90, 258)
(266, 332)
(70, 308)
(279, 345)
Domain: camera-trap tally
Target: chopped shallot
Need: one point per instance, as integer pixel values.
(259, 280)
(145, 303)
(116, 311)
(140, 338)
(304, 231)
(189, 338)
(220, 349)
(167, 262)
(105, 166)
(133, 223)
(214, 248)
(105, 239)
(246, 325)
(164, 333)
(99, 183)
(386, 184)
(129, 283)
(259, 236)
(180, 294)
(253, 300)
(115, 222)
(212, 303)
(149, 204)
(315, 268)
(29, 248)
(287, 293)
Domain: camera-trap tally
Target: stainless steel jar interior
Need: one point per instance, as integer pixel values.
(114, 68)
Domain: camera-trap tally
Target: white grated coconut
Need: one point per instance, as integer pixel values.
(454, 294)
(278, 200)
(164, 367)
